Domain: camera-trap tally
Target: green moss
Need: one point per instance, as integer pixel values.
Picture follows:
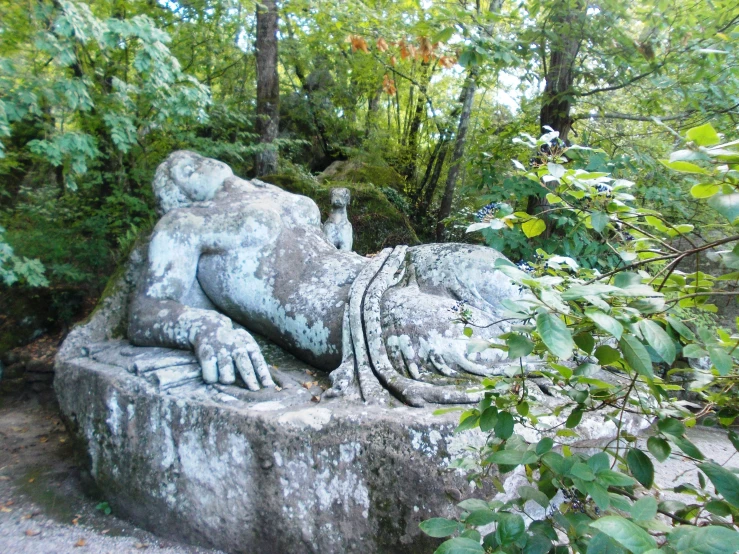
(358, 172)
(377, 222)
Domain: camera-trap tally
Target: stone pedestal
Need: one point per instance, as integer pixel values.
(267, 471)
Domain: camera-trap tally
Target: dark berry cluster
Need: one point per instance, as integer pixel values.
(459, 307)
(628, 237)
(486, 211)
(524, 266)
(604, 189)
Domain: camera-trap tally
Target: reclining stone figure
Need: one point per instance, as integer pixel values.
(231, 256)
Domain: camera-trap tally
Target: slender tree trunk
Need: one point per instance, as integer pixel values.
(409, 171)
(559, 78)
(430, 187)
(468, 94)
(268, 86)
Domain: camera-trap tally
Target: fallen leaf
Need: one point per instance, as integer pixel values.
(32, 532)
(32, 479)
(43, 439)
(81, 542)
(141, 545)
(10, 502)
(278, 389)
(315, 399)
(62, 439)
(105, 531)
(27, 516)
(6, 510)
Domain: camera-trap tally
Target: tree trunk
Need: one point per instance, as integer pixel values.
(468, 94)
(409, 171)
(268, 87)
(559, 78)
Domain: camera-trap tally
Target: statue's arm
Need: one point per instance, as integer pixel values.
(159, 318)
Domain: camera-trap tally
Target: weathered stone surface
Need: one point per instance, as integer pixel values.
(265, 471)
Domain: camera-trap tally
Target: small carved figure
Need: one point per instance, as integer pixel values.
(337, 228)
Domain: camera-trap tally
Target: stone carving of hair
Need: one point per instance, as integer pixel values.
(166, 191)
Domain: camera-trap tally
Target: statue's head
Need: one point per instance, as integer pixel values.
(340, 197)
(186, 177)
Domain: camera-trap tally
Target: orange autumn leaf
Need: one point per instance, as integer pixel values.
(388, 85)
(425, 48)
(393, 60)
(382, 45)
(447, 61)
(404, 52)
(358, 43)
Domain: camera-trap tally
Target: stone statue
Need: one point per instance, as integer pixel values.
(231, 256)
(337, 227)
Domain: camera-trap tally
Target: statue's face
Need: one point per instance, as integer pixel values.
(199, 177)
(340, 197)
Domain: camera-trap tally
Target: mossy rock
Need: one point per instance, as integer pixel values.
(359, 172)
(377, 223)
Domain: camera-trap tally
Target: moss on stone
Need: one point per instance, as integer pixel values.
(377, 222)
(359, 172)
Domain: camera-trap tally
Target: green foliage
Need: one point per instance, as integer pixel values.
(630, 332)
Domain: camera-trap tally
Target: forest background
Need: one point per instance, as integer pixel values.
(594, 144)
(424, 99)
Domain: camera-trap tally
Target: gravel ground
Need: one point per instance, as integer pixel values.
(48, 503)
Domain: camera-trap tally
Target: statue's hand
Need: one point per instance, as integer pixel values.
(219, 347)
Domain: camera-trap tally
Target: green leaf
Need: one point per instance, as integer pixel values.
(658, 339)
(479, 518)
(605, 322)
(533, 227)
(439, 527)
(472, 504)
(504, 426)
(544, 446)
(685, 167)
(640, 466)
(726, 204)
(694, 351)
(510, 528)
(530, 493)
(644, 509)
(599, 220)
(671, 426)
(687, 447)
(725, 481)
(444, 35)
(603, 544)
(512, 457)
(469, 422)
(711, 539)
(582, 471)
(537, 544)
(607, 354)
(488, 419)
(636, 355)
(704, 191)
(585, 342)
(555, 335)
(599, 494)
(659, 448)
(682, 329)
(626, 533)
(705, 135)
(460, 545)
(519, 346)
(573, 420)
(720, 359)
(615, 479)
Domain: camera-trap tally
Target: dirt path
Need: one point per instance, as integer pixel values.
(47, 502)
